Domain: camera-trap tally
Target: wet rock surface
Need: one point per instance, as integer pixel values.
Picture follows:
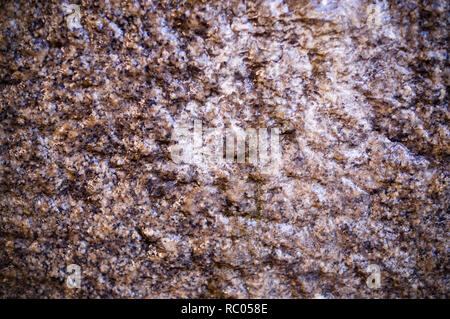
(90, 92)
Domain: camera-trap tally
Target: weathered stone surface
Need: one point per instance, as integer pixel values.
(88, 100)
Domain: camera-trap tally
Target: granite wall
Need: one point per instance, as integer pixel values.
(90, 94)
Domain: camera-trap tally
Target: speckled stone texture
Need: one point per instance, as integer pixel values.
(88, 102)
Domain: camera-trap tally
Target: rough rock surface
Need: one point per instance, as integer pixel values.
(88, 100)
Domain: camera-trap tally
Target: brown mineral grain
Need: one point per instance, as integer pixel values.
(90, 92)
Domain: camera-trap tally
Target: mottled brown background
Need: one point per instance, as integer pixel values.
(358, 90)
